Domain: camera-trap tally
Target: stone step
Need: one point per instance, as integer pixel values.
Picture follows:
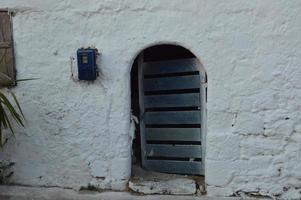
(178, 186)
(150, 182)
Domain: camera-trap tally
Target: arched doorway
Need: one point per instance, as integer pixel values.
(168, 92)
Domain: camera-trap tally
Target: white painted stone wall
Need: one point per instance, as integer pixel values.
(78, 133)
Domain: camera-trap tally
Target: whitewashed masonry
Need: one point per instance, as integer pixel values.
(78, 133)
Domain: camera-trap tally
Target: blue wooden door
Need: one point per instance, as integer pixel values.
(170, 119)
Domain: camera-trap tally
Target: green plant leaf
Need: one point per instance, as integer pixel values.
(1, 143)
(11, 109)
(8, 123)
(2, 118)
(17, 102)
(26, 79)
(12, 112)
(6, 109)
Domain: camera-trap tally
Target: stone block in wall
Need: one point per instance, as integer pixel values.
(251, 146)
(263, 100)
(296, 137)
(261, 186)
(220, 122)
(223, 102)
(256, 166)
(279, 128)
(99, 168)
(291, 193)
(118, 184)
(248, 123)
(218, 191)
(121, 168)
(223, 146)
(219, 173)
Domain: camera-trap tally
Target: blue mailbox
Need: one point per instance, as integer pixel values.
(86, 62)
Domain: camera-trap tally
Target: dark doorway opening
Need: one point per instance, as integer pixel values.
(136, 144)
(151, 54)
(171, 148)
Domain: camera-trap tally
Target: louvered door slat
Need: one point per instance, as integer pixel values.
(173, 117)
(170, 118)
(172, 100)
(174, 166)
(172, 83)
(173, 134)
(170, 66)
(174, 151)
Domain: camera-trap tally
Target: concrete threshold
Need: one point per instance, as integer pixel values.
(150, 182)
(39, 193)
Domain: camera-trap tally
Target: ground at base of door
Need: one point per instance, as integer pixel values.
(147, 182)
(40, 193)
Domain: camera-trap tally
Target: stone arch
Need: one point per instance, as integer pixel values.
(152, 44)
(203, 87)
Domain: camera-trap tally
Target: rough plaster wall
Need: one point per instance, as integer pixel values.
(77, 133)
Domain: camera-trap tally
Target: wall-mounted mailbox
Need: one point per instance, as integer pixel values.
(86, 62)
